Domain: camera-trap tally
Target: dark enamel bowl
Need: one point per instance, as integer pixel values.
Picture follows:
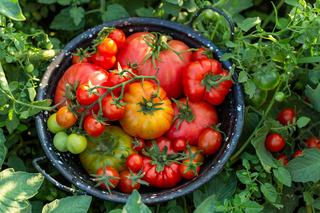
(230, 114)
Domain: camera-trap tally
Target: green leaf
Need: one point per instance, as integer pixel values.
(250, 88)
(144, 12)
(282, 175)
(251, 206)
(306, 167)
(71, 204)
(64, 21)
(176, 2)
(243, 77)
(32, 93)
(33, 110)
(115, 211)
(16, 188)
(303, 121)
(135, 204)
(316, 203)
(16, 163)
(64, 2)
(77, 14)
(113, 12)
(3, 148)
(47, 1)
(308, 198)
(294, 3)
(249, 23)
(314, 96)
(4, 86)
(208, 205)
(11, 9)
(269, 192)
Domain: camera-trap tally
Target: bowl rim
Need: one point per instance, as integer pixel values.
(238, 99)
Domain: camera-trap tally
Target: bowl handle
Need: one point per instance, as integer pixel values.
(220, 12)
(35, 163)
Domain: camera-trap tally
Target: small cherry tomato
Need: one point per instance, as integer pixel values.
(179, 145)
(138, 144)
(287, 116)
(126, 184)
(92, 126)
(274, 142)
(279, 96)
(118, 36)
(210, 141)
(112, 109)
(283, 158)
(53, 125)
(312, 142)
(134, 162)
(106, 62)
(189, 169)
(297, 153)
(65, 117)
(108, 178)
(60, 141)
(163, 142)
(84, 96)
(107, 47)
(198, 157)
(76, 143)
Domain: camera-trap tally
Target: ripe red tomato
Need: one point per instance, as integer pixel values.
(92, 126)
(126, 184)
(115, 78)
(77, 59)
(134, 162)
(104, 61)
(138, 144)
(108, 178)
(189, 169)
(81, 74)
(197, 154)
(167, 66)
(312, 142)
(283, 158)
(107, 47)
(194, 119)
(287, 116)
(179, 145)
(65, 118)
(111, 109)
(210, 141)
(297, 153)
(83, 95)
(274, 142)
(163, 142)
(119, 37)
(199, 81)
(200, 53)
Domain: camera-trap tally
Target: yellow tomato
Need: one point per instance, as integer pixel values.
(148, 113)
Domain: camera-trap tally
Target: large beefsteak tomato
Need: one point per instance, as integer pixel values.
(157, 55)
(191, 119)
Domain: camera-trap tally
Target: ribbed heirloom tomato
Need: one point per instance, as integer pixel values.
(148, 111)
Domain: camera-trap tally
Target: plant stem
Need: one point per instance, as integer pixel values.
(268, 19)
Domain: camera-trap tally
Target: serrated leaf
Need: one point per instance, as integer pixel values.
(251, 206)
(77, 14)
(16, 188)
(135, 204)
(314, 96)
(71, 204)
(303, 121)
(269, 192)
(63, 21)
(250, 88)
(249, 23)
(282, 175)
(3, 148)
(306, 168)
(114, 11)
(12, 9)
(243, 77)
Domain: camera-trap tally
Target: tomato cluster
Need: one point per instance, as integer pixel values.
(140, 109)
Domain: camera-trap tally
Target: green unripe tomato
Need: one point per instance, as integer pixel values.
(53, 125)
(267, 80)
(76, 143)
(279, 96)
(49, 45)
(60, 141)
(259, 97)
(29, 68)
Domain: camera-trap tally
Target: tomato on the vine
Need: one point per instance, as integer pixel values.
(196, 154)
(128, 182)
(66, 118)
(312, 142)
(76, 143)
(297, 153)
(112, 108)
(107, 47)
(163, 142)
(267, 79)
(179, 145)
(189, 169)
(107, 177)
(104, 61)
(134, 162)
(118, 36)
(287, 116)
(85, 96)
(92, 126)
(283, 159)
(138, 144)
(259, 97)
(53, 125)
(60, 141)
(274, 142)
(210, 141)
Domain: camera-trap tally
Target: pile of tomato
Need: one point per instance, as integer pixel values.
(140, 109)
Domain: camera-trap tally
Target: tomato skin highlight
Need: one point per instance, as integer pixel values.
(110, 110)
(92, 126)
(134, 162)
(210, 141)
(274, 142)
(66, 118)
(107, 47)
(126, 185)
(287, 116)
(83, 95)
(118, 37)
(112, 173)
(179, 145)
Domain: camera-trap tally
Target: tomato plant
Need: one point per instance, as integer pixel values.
(112, 108)
(92, 126)
(274, 142)
(108, 177)
(287, 116)
(65, 118)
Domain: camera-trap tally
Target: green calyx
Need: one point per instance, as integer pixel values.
(148, 106)
(185, 113)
